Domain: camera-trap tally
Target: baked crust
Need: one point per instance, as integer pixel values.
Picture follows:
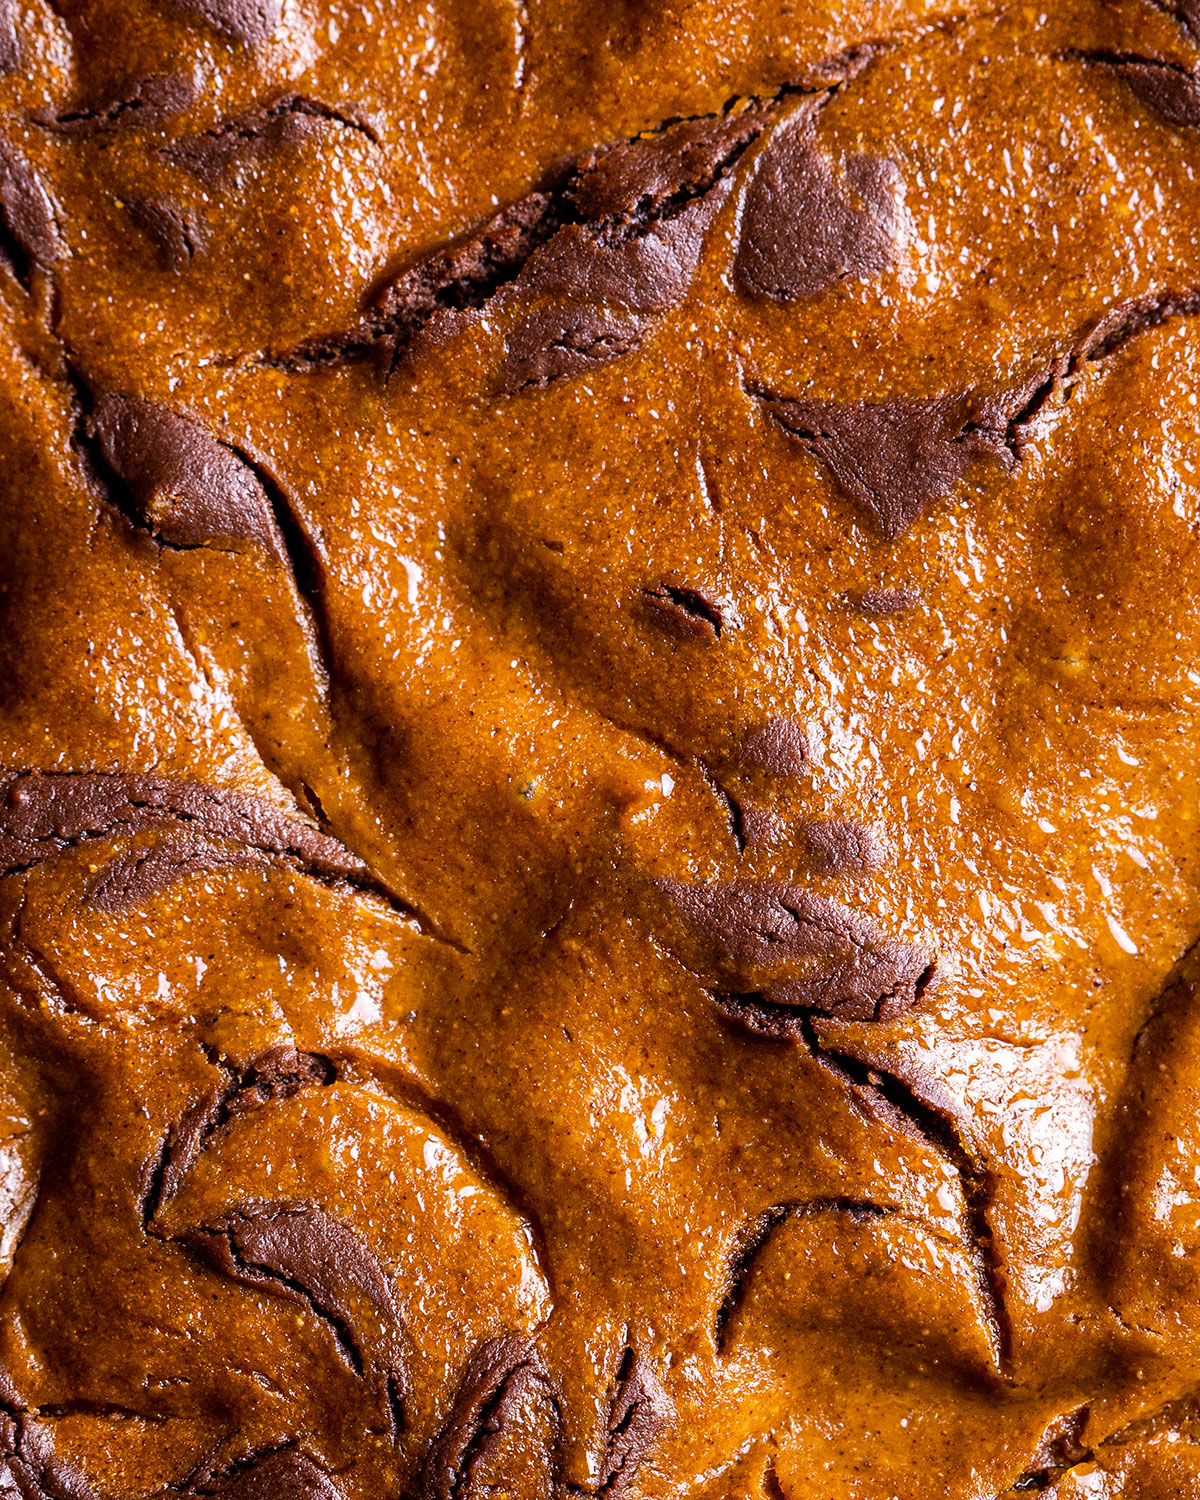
(598, 760)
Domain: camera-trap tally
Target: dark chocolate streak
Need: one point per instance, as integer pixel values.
(754, 1241)
(552, 344)
(29, 235)
(44, 813)
(279, 1073)
(177, 480)
(27, 1454)
(773, 953)
(246, 21)
(882, 604)
(495, 1378)
(895, 1102)
(213, 154)
(779, 747)
(10, 42)
(638, 1411)
(613, 242)
(298, 1251)
(284, 1474)
(834, 847)
(1170, 90)
(152, 102)
(895, 458)
(133, 876)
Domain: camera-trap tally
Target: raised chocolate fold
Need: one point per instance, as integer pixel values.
(29, 234)
(804, 229)
(1170, 90)
(246, 21)
(298, 1251)
(774, 952)
(149, 103)
(639, 1410)
(279, 1073)
(617, 235)
(213, 155)
(44, 812)
(29, 1461)
(186, 486)
(495, 1378)
(285, 1474)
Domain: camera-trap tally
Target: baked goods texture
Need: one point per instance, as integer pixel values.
(599, 770)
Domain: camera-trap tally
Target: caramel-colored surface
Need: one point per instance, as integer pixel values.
(597, 887)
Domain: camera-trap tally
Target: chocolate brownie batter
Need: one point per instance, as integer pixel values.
(599, 769)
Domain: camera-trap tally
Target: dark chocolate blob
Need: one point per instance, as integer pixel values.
(183, 484)
(134, 875)
(27, 1453)
(298, 1251)
(804, 231)
(895, 458)
(213, 155)
(178, 234)
(639, 1410)
(838, 848)
(43, 813)
(788, 948)
(643, 180)
(30, 234)
(883, 604)
(279, 1073)
(1171, 91)
(245, 21)
(780, 747)
(622, 228)
(495, 1378)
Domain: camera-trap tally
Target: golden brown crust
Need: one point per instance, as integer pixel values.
(598, 760)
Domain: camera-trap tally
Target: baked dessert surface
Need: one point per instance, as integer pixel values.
(600, 783)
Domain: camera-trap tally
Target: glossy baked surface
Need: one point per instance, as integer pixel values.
(599, 781)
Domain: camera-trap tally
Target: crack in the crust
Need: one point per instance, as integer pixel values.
(761, 1231)
(939, 1133)
(249, 127)
(155, 99)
